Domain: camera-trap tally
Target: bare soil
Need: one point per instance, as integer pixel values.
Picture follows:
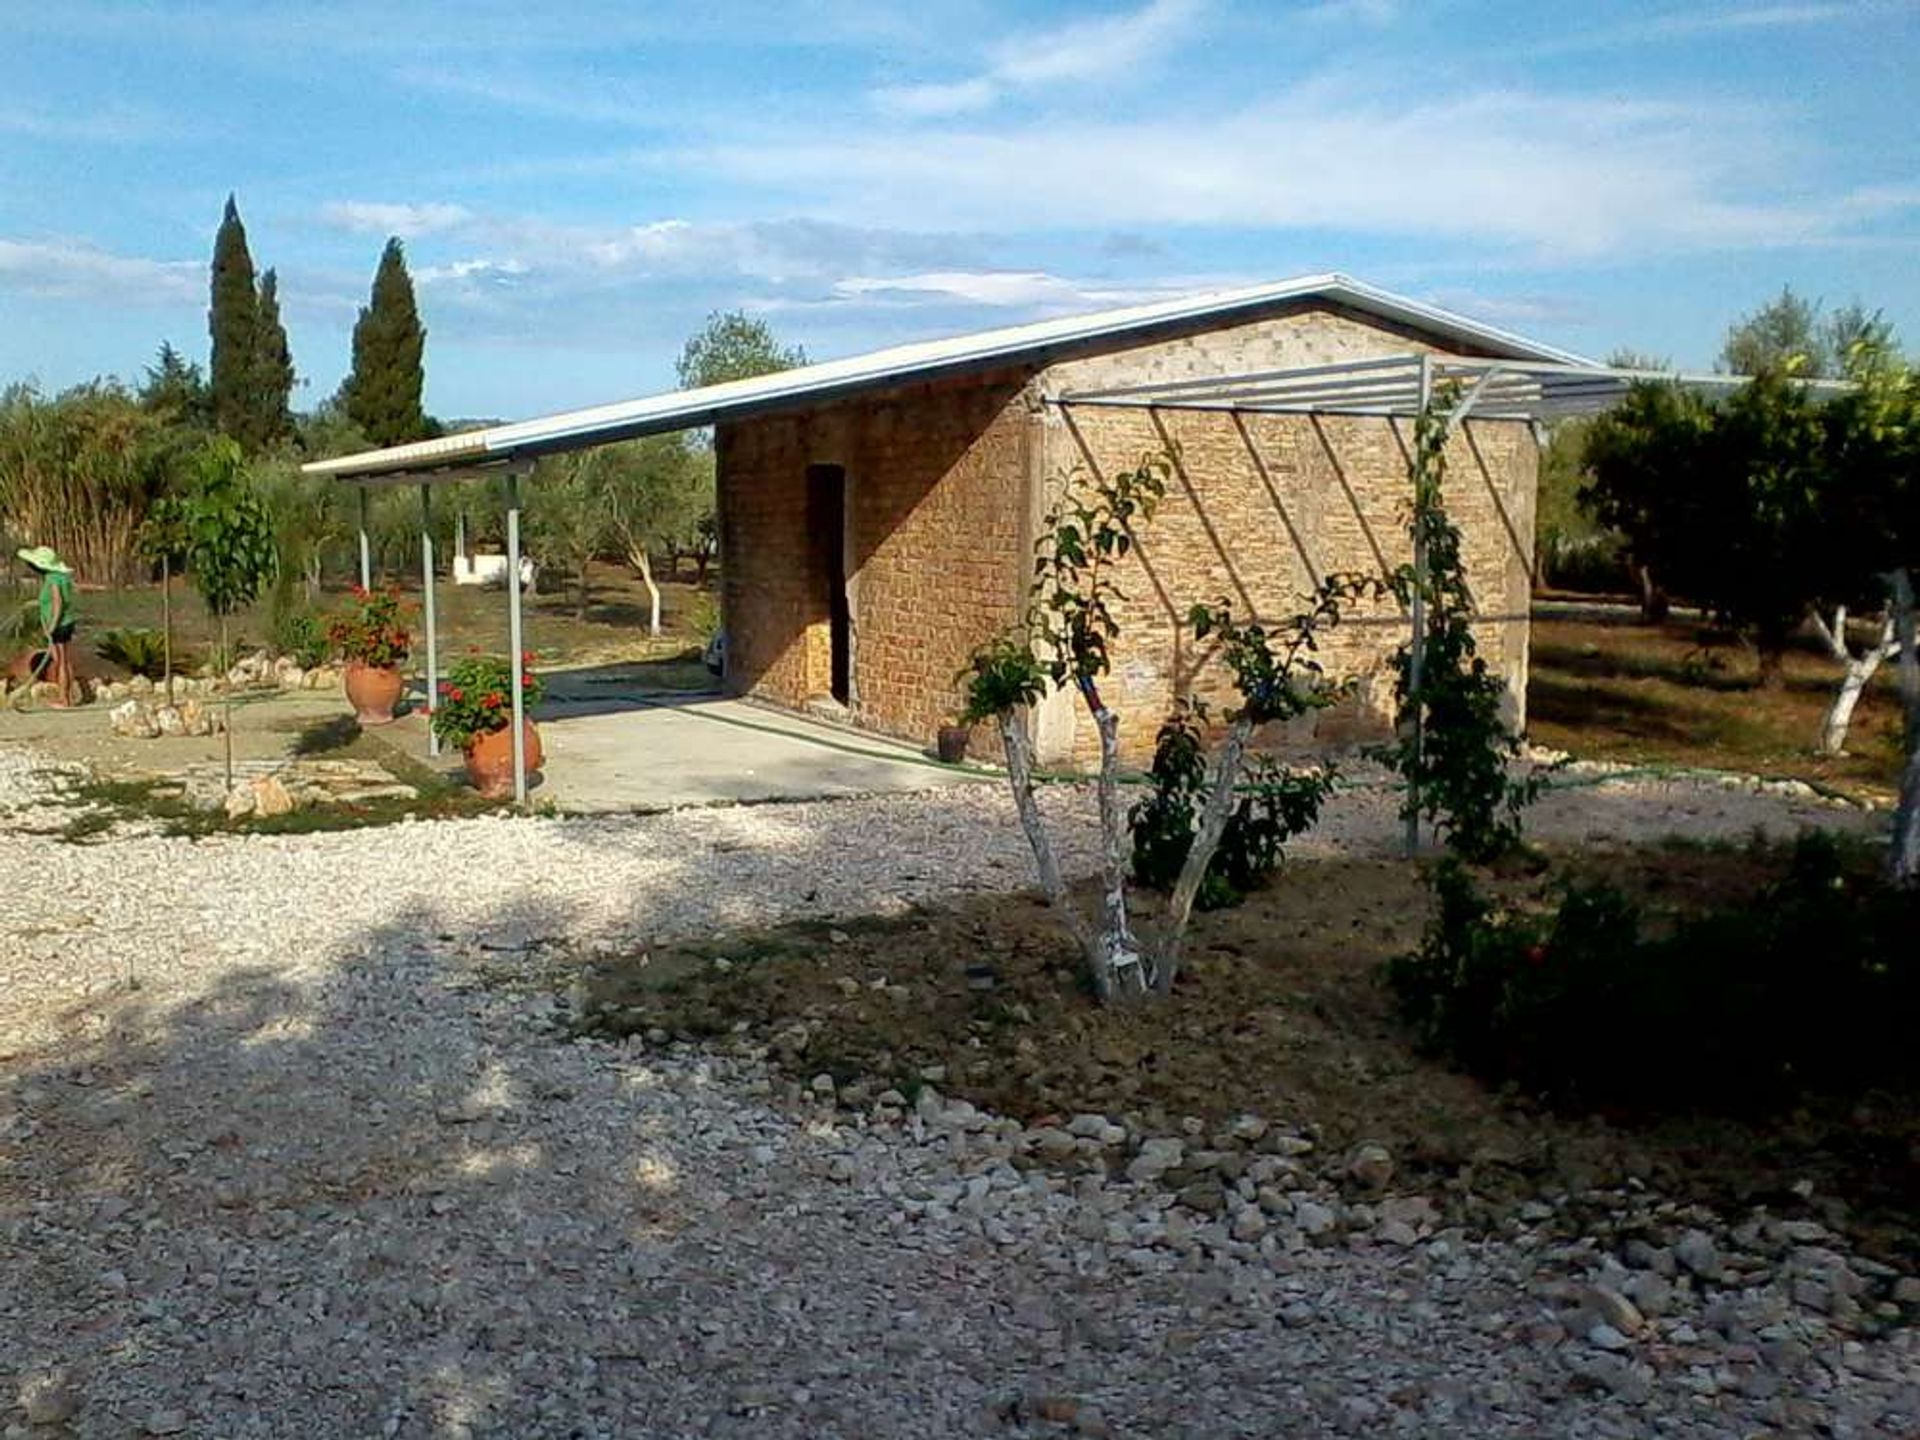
(1281, 1012)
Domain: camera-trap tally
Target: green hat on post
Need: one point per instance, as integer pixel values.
(42, 557)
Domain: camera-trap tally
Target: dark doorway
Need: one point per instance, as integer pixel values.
(827, 524)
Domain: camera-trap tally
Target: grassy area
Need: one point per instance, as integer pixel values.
(613, 630)
(1682, 694)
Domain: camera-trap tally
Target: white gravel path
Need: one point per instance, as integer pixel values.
(326, 1173)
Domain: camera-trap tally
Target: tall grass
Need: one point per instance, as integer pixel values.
(78, 473)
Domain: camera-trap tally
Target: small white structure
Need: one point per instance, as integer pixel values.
(487, 571)
(490, 571)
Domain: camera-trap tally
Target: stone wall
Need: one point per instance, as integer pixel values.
(1263, 507)
(936, 539)
(947, 483)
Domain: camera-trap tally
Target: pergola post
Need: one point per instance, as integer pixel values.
(513, 639)
(366, 547)
(427, 606)
(1416, 655)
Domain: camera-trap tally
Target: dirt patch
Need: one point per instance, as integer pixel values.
(1281, 1012)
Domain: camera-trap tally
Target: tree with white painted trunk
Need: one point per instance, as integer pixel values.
(1064, 642)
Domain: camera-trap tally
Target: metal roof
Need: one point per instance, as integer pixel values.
(1397, 385)
(1037, 344)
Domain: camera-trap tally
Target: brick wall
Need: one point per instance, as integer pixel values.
(937, 535)
(1261, 507)
(946, 483)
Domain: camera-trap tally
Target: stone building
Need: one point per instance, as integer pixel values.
(878, 513)
(872, 538)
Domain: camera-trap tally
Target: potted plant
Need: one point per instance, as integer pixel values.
(372, 640)
(951, 742)
(474, 712)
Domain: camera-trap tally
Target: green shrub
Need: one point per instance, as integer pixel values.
(1275, 805)
(299, 635)
(1575, 994)
(135, 649)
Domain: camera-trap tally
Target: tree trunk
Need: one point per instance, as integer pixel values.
(1654, 604)
(166, 623)
(1120, 953)
(642, 562)
(1206, 840)
(1858, 672)
(1773, 655)
(1013, 736)
(227, 709)
(1903, 856)
(582, 600)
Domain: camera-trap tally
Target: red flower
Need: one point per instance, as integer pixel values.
(1536, 954)
(457, 694)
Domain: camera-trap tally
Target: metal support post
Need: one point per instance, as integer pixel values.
(366, 546)
(1416, 655)
(513, 641)
(427, 606)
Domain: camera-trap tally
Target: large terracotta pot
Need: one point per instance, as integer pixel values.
(490, 760)
(373, 691)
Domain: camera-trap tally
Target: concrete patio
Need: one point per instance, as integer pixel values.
(609, 751)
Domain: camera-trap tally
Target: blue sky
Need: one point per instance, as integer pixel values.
(580, 183)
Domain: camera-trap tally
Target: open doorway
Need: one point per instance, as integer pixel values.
(827, 524)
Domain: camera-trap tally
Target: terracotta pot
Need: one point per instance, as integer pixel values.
(951, 743)
(490, 760)
(373, 691)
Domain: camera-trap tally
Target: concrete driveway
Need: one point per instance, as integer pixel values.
(611, 753)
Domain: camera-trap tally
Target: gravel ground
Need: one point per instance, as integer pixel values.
(326, 1169)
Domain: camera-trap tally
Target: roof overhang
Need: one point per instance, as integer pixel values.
(1034, 345)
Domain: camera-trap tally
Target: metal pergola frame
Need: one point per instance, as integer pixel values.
(1403, 386)
(512, 471)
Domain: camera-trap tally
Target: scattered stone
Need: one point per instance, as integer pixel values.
(1371, 1164)
(1615, 1310)
(1697, 1252)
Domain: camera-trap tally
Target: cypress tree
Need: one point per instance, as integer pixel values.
(234, 321)
(381, 393)
(273, 369)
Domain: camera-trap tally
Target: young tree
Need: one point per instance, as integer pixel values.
(272, 368)
(233, 320)
(229, 545)
(1064, 642)
(734, 345)
(382, 392)
(1454, 747)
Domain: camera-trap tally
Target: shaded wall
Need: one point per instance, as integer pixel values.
(937, 486)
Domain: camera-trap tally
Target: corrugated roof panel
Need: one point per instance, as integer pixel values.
(1035, 342)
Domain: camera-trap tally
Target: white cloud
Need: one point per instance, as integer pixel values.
(71, 269)
(372, 217)
(1034, 290)
(1570, 176)
(1081, 52)
(471, 272)
(1375, 13)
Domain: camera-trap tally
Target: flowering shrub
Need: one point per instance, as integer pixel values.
(371, 632)
(476, 698)
(1577, 994)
